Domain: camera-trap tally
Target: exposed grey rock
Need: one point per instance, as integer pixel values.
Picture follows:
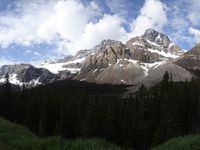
(116, 63)
(176, 72)
(65, 75)
(72, 65)
(156, 37)
(156, 75)
(122, 73)
(105, 54)
(191, 60)
(152, 47)
(25, 73)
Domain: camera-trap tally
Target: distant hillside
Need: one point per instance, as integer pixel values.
(191, 142)
(15, 137)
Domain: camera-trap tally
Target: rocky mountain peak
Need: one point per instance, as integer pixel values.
(103, 45)
(150, 34)
(157, 37)
(153, 46)
(82, 53)
(107, 42)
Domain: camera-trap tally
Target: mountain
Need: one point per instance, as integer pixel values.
(70, 63)
(118, 63)
(191, 60)
(153, 46)
(26, 74)
(142, 59)
(155, 74)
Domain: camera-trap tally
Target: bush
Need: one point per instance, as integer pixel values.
(15, 137)
(191, 142)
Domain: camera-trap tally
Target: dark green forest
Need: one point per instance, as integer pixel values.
(74, 109)
(17, 137)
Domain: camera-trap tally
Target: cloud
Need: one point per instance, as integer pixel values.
(28, 52)
(118, 7)
(69, 24)
(108, 27)
(152, 15)
(47, 22)
(183, 16)
(72, 25)
(195, 33)
(194, 18)
(7, 61)
(193, 11)
(178, 24)
(67, 21)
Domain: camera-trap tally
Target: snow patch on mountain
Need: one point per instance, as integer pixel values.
(2, 80)
(153, 43)
(162, 53)
(57, 67)
(34, 82)
(13, 80)
(148, 66)
(53, 68)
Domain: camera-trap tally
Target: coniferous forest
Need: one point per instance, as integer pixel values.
(74, 109)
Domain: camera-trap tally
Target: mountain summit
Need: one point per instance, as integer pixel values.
(118, 63)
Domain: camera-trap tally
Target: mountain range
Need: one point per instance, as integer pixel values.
(142, 59)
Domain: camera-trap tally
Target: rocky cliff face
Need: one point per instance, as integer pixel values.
(191, 60)
(152, 47)
(20, 74)
(118, 63)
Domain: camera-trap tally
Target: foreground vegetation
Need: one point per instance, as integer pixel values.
(15, 137)
(181, 143)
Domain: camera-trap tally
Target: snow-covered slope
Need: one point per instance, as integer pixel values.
(26, 74)
(71, 65)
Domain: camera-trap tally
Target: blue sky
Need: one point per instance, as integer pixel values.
(37, 30)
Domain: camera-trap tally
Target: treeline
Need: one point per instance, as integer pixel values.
(75, 109)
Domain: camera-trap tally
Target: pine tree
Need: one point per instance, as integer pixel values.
(7, 98)
(43, 123)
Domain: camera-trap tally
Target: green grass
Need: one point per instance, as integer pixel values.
(15, 137)
(190, 142)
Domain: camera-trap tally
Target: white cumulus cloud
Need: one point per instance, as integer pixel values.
(193, 11)
(108, 27)
(50, 22)
(152, 15)
(7, 61)
(195, 33)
